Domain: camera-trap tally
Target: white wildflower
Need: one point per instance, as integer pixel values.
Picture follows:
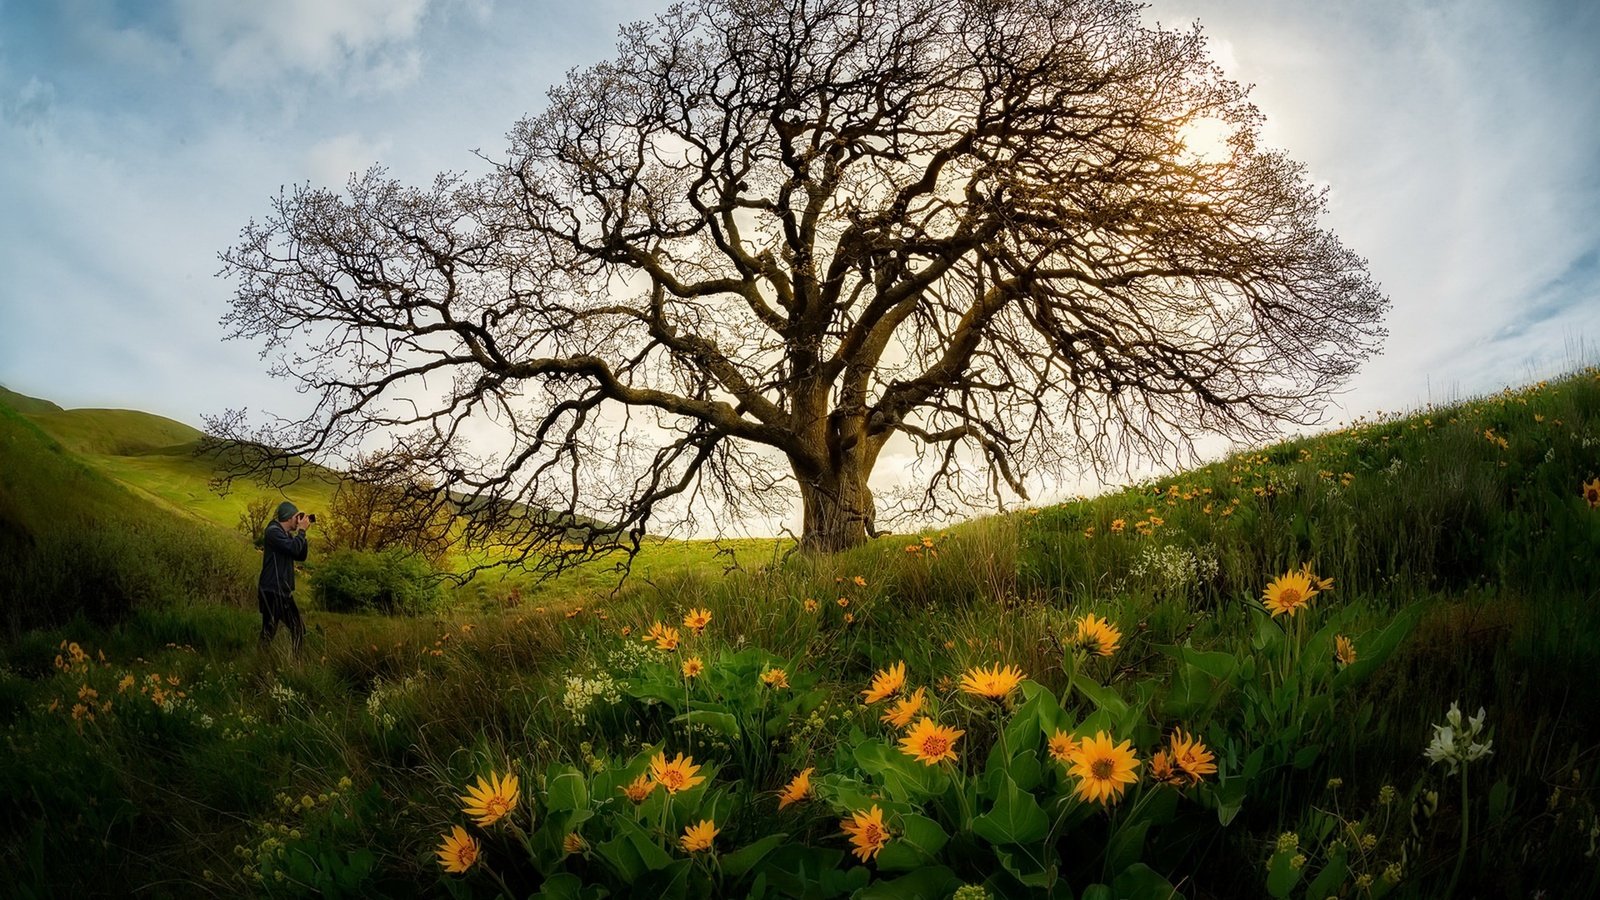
(1456, 743)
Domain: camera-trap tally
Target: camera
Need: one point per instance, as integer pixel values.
(312, 517)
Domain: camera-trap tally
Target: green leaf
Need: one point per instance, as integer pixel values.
(622, 857)
(1126, 846)
(651, 855)
(1282, 875)
(565, 788)
(1230, 796)
(716, 720)
(934, 883)
(742, 860)
(1017, 818)
(1104, 699)
(1327, 882)
(1373, 651)
(1499, 797)
(1026, 870)
(917, 845)
(561, 886)
(903, 778)
(671, 881)
(1305, 756)
(1140, 882)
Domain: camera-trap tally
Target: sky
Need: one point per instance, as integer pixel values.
(1459, 142)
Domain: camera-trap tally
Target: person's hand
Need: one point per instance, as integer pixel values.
(302, 522)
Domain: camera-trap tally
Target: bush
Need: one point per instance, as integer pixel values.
(389, 581)
(105, 573)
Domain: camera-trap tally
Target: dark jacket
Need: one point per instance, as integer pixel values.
(280, 550)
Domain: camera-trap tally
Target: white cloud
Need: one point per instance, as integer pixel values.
(245, 42)
(30, 110)
(332, 161)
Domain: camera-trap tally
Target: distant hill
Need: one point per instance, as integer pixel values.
(76, 541)
(118, 432)
(25, 404)
(155, 459)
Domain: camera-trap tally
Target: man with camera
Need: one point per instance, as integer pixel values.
(283, 545)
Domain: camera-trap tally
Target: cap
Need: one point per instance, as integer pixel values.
(286, 511)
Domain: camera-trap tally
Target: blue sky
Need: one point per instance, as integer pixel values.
(1460, 142)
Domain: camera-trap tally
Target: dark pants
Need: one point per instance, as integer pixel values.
(279, 608)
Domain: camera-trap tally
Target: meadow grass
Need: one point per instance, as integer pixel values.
(1459, 545)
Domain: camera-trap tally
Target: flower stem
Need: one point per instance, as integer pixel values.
(1461, 854)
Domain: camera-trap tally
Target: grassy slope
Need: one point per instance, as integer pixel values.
(155, 459)
(1490, 547)
(45, 485)
(24, 403)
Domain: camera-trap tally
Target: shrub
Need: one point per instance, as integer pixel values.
(390, 581)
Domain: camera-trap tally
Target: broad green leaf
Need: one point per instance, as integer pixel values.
(1140, 882)
(716, 720)
(565, 788)
(1027, 870)
(742, 860)
(903, 777)
(1373, 651)
(934, 883)
(1126, 846)
(1282, 874)
(1104, 699)
(917, 845)
(1017, 818)
(1332, 876)
(561, 886)
(673, 882)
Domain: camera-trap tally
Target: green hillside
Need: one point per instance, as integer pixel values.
(1157, 728)
(124, 465)
(78, 542)
(119, 432)
(24, 403)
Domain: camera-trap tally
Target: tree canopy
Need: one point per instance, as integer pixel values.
(732, 264)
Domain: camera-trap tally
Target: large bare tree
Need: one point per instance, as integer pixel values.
(772, 236)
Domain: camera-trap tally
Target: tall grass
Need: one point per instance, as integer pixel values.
(1489, 547)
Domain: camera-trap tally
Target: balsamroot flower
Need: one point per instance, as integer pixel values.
(775, 678)
(900, 714)
(1591, 493)
(994, 683)
(491, 799)
(799, 788)
(1292, 592)
(1190, 757)
(640, 788)
(458, 851)
(696, 620)
(1097, 635)
(698, 837)
(1063, 747)
(1344, 650)
(665, 636)
(1103, 770)
(692, 667)
(867, 832)
(930, 743)
(675, 776)
(886, 683)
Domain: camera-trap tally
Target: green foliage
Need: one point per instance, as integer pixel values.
(389, 581)
(1455, 578)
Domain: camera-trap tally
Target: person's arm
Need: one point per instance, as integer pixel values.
(293, 545)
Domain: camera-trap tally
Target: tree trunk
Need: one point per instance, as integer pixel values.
(838, 508)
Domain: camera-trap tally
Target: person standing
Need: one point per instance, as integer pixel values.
(283, 545)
